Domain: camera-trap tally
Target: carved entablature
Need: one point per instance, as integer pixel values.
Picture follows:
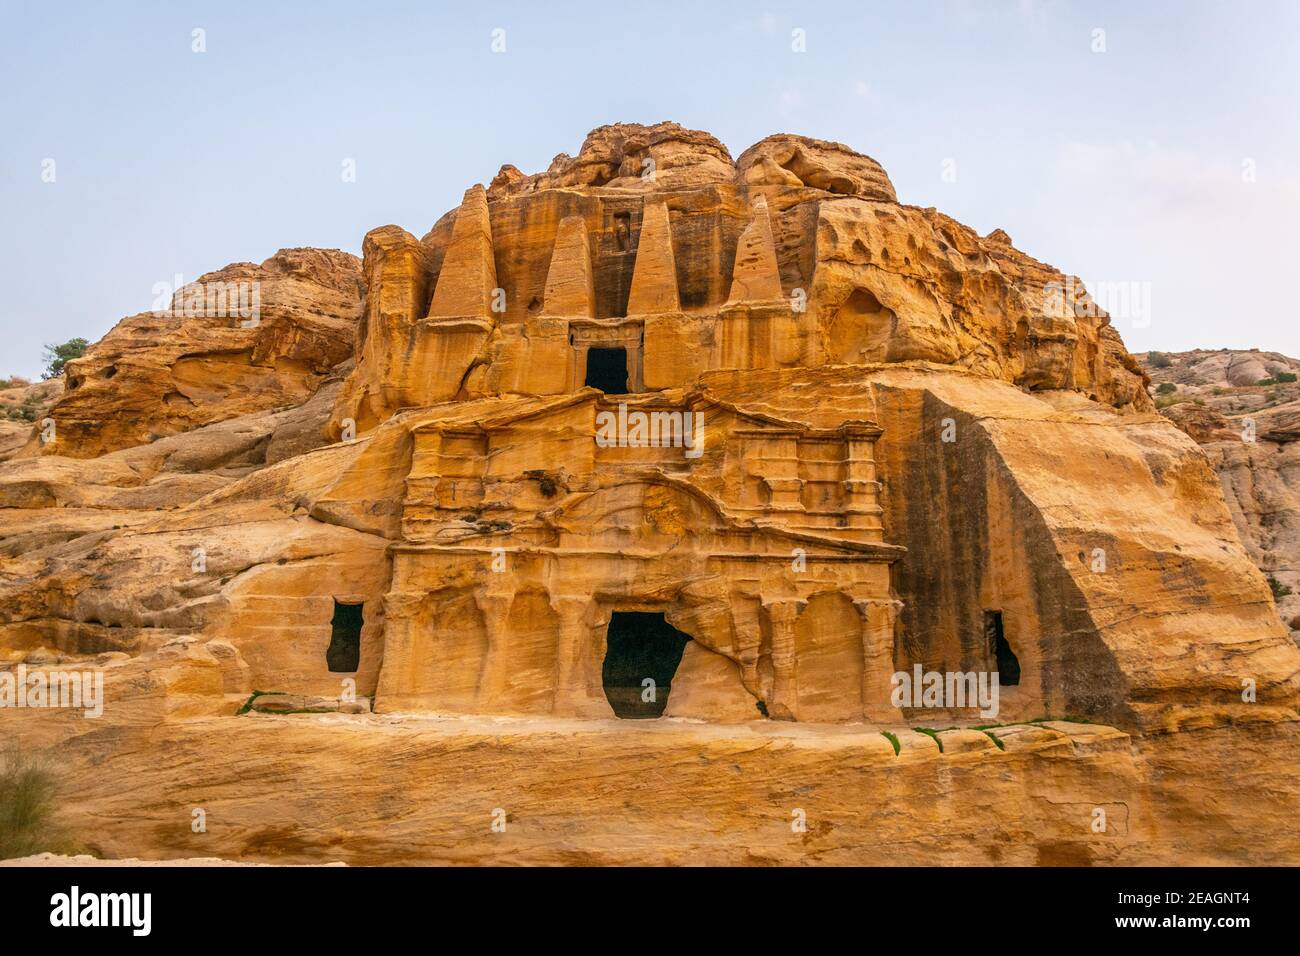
(763, 470)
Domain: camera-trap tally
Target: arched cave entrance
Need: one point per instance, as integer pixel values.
(639, 647)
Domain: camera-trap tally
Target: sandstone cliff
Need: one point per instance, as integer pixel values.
(920, 452)
(245, 338)
(1243, 407)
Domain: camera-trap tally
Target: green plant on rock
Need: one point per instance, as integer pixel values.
(248, 704)
(27, 807)
(57, 356)
(931, 732)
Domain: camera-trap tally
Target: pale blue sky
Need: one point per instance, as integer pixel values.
(1124, 165)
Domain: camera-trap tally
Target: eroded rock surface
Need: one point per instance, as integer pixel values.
(245, 338)
(424, 483)
(1244, 410)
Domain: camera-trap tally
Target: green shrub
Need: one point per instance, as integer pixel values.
(893, 739)
(1159, 360)
(1281, 378)
(1166, 388)
(1279, 589)
(27, 792)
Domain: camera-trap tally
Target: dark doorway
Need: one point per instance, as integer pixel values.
(640, 647)
(1000, 650)
(607, 370)
(344, 653)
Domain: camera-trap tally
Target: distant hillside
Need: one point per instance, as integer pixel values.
(1222, 399)
(22, 404)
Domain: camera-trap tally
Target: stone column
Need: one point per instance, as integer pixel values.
(495, 607)
(398, 681)
(878, 616)
(579, 689)
(781, 615)
(861, 488)
(421, 498)
(748, 631)
(777, 454)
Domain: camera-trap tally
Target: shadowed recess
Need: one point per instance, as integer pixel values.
(607, 370)
(344, 653)
(1008, 663)
(640, 646)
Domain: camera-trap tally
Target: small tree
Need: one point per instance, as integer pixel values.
(1165, 388)
(57, 356)
(1159, 360)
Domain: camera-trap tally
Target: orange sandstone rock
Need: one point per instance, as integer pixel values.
(822, 435)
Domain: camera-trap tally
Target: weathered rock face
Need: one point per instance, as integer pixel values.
(390, 790)
(1243, 408)
(23, 403)
(1093, 536)
(238, 340)
(814, 436)
(859, 278)
(791, 162)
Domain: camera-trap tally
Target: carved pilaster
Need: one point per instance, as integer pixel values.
(777, 454)
(861, 487)
(495, 608)
(878, 617)
(747, 630)
(781, 615)
(579, 690)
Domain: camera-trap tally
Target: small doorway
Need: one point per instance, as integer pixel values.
(1000, 651)
(643, 651)
(344, 653)
(607, 370)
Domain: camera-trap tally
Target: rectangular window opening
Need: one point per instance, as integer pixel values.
(344, 653)
(607, 370)
(1000, 650)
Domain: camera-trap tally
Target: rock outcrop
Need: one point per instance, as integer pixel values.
(653, 432)
(23, 403)
(239, 340)
(1243, 408)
